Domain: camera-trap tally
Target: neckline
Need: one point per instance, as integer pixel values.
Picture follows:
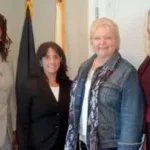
(54, 86)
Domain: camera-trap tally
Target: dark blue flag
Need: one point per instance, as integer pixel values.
(26, 52)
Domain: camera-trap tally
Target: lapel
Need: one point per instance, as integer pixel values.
(61, 94)
(64, 93)
(46, 91)
(143, 66)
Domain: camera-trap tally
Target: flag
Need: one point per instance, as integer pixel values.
(60, 24)
(27, 50)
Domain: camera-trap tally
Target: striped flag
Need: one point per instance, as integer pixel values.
(60, 25)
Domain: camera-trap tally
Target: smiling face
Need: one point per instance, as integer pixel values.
(51, 62)
(104, 42)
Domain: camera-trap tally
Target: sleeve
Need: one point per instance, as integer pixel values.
(13, 105)
(23, 116)
(132, 114)
(13, 108)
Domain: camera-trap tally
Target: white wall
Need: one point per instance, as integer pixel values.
(44, 13)
(77, 35)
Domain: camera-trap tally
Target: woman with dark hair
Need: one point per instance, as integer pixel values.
(7, 93)
(44, 102)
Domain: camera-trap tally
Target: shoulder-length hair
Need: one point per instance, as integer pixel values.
(42, 52)
(147, 33)
(6, 41)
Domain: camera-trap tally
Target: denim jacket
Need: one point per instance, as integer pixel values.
(121, 105)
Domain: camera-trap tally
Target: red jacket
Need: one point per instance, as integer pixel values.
(144, 77)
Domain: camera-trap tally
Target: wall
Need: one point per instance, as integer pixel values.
(44, 13)
(79, 14)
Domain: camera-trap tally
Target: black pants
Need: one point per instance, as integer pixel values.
(83, 147)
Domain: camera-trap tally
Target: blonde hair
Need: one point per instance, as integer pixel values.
(147, 33)
(106, 23)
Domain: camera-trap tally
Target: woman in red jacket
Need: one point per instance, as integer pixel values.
(144, 76)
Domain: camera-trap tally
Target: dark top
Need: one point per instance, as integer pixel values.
(144, 76)
(41, 120)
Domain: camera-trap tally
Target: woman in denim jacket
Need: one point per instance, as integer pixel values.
(107, 109)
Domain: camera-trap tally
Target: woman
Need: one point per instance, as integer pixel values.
(144, 76)
(106, 110)
(44, 103)
(7, 93)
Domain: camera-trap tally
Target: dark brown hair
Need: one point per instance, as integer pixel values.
(6, 41)
(42, 52)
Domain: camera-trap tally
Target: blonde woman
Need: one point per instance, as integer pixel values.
(144, 76)
(107, 108)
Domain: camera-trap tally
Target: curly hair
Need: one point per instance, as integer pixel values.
(5, 40)
(42, 52)
(147, 33)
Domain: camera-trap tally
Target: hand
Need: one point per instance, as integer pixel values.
(14, 142)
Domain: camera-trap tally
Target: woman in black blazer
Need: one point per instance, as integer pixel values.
(44, 102)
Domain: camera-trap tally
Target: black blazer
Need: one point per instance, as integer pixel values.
(41, 120)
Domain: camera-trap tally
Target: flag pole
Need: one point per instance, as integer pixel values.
(60, 24)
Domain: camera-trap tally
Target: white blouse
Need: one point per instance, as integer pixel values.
(84, 112)
(55, 91)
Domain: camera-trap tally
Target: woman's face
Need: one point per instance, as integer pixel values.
(51, 62)
(104, 42)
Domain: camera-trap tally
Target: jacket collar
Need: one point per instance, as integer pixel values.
(110, 64)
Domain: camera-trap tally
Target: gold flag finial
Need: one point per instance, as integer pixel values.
(59, 1)
(28, 4)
